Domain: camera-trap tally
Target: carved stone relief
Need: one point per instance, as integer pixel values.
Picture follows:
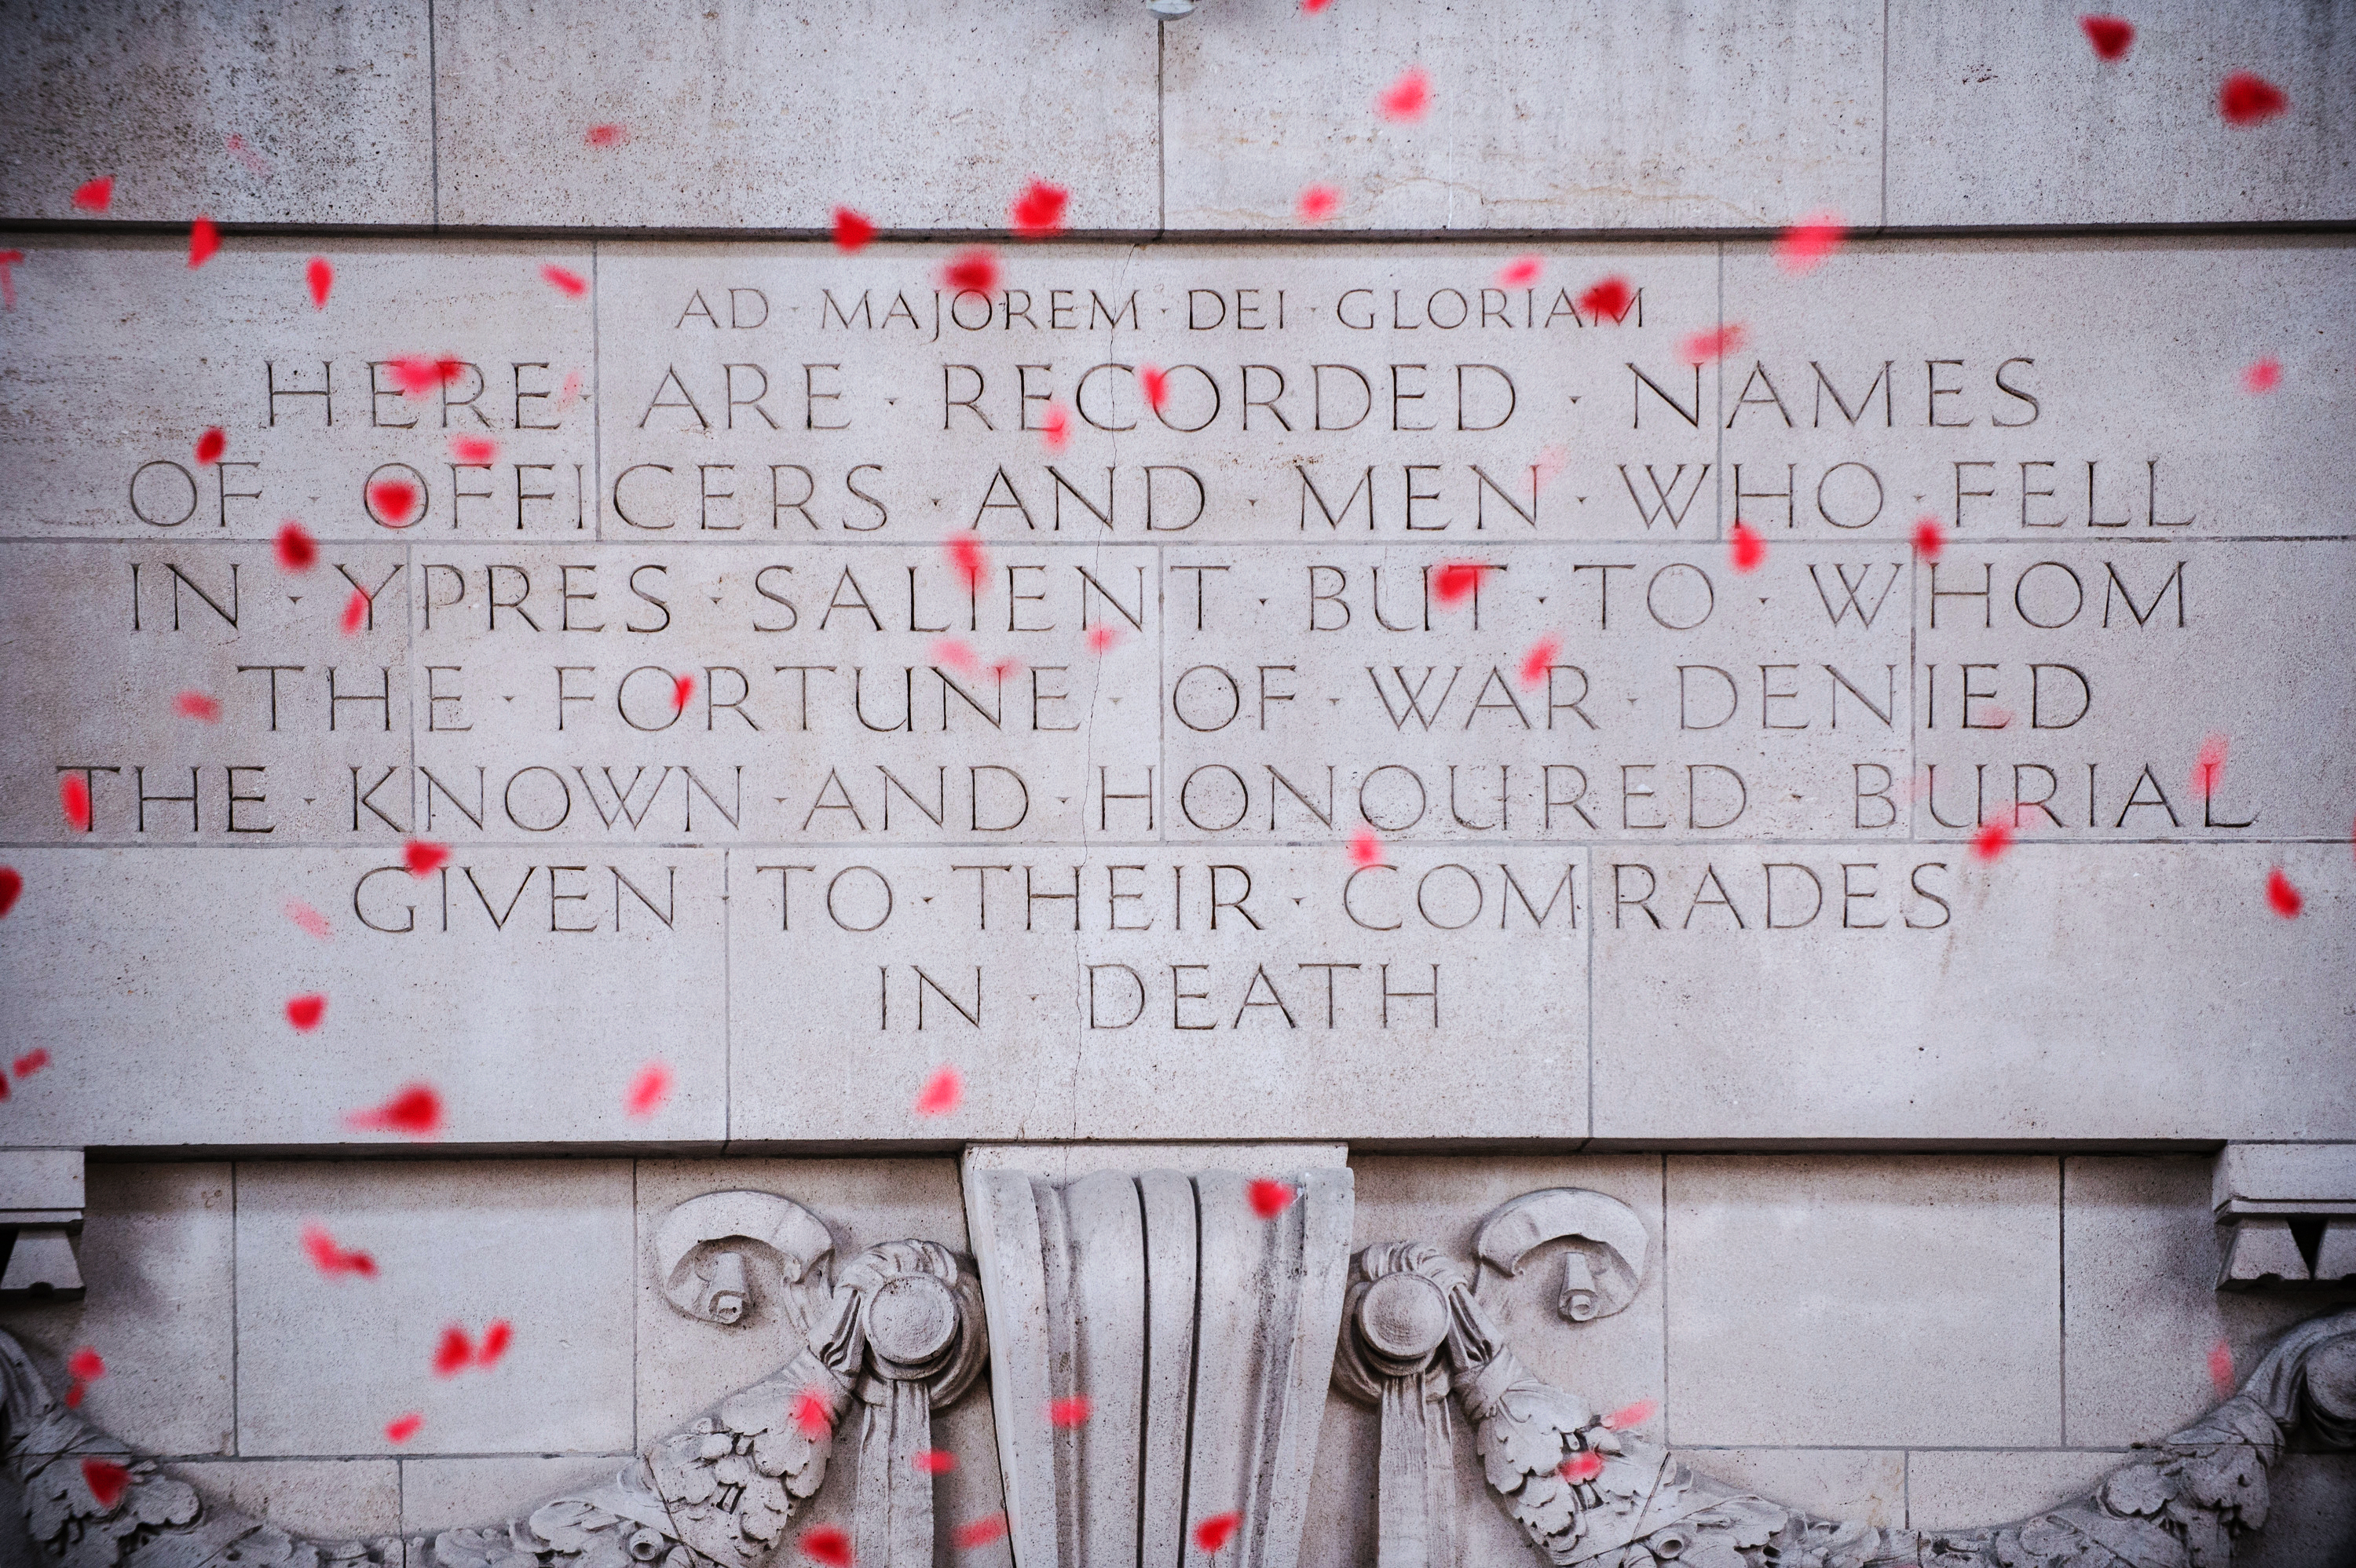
(1193, 1340)
(1200, 1334)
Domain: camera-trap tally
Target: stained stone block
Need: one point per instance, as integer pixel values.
(1586, 116)
(1938, 1009)
(2072, 393)
(2141, 1309)
(325, 1499)
(264, 113)
(457, 1494)
(326, 1361)
(157, 1249)
(1948, 1489)
(1799, 1298)
(2001, 114)
(530, 1034)
(933, 116)
(1868, 1485)
(313, 413)
(1271, 1016)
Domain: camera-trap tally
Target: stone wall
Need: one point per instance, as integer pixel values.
(1922, 1131)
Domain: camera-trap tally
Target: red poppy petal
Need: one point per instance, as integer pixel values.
(1318, 203)
(812, 1415)
(942, 1093)
(1928, 539)
(1213, 1532)
(304, 1012)
(415, 1111)
(851, 230)
(1540, 657)
(73, 798)
(496, 1336)
(1070, 1411)
(296, 550)
(106, 1480)
(1745, 548)
(564, 278)
(1408, 98)
(935, 1461)
(204, 242)
(12, 883)
(94, 195)
(2111, 35)
(826, 1545)
(210, 445)
(86, 1365)
(978, 1532)
(1365, 849)
(2245, 99)
(197, 705)
(453, 1352)
(1270, 1198)
(2285, 900)
(648, 1090)
(402, 1428)
(320, 275)
(1611, 297)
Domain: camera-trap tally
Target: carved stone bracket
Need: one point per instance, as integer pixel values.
(897, 1336)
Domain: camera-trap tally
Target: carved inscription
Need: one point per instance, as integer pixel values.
(665, 578)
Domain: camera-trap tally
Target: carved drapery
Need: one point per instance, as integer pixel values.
(1398, 1316)
(1202, 1336)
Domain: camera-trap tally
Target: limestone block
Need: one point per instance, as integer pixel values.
(1989, 1018)
(108, 419)
(1973, 381)
(2002, 113)
(2095, 730)
(2141, 1307)
(328, 1500)
(299, 704)
(1949, 1489)
(326, 1361)
(269, 113)
(161, 995)
(801, 726)
(458, 1494)
(930, 117)
(1681, 701)
(1271, 1016)
(1804, 1288)
(157, 1248)
(1587, 116)
(870, 404)
(1867, 1484)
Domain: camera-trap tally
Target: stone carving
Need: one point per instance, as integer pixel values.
(715, 1253)
(1586, 1495)
(900, 1335)
(1601, 1273)
(1202, 1336)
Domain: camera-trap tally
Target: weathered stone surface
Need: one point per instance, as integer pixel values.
(2001, 114)
(931, 118)
(529, 1034)
(328, 1362)
(458, 1494)
(2141, 1310)
(1587, 116)
(1805, 1287)
(1964, 380)
(103, 441)
(157, 1250)
(272, 112)
(329, 1499)
(1946, 1489)
(1867, 1484)
(1989, 1018)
